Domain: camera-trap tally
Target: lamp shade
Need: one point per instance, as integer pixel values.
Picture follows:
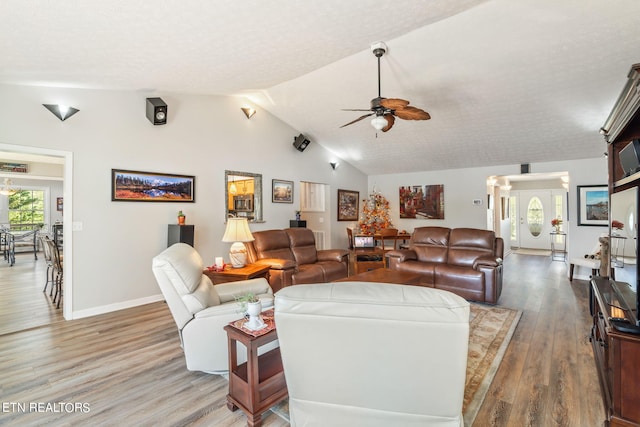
(237, 231)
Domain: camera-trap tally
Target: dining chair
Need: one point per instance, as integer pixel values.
(388, 232)
(350, 236)
(58, 271)
(46, 249)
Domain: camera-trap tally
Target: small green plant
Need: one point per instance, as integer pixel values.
(245, 299)
(180, 213)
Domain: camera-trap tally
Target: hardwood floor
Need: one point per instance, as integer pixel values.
(127, 368)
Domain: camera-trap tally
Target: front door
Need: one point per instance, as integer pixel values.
(536, 209)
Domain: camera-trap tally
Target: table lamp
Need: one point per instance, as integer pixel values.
(237, 232)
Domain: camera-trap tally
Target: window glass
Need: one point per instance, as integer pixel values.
(513, 214)
(535, 216)
(26, 209)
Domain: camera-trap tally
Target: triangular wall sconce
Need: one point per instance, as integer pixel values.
(249, 112)
(60, 111)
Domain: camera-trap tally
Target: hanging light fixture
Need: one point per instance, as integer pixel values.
(232, 187)
(379, 122)
(7, 189)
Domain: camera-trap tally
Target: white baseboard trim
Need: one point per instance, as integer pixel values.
(115, 307)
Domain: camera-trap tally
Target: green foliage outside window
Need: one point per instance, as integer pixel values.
(26, 209)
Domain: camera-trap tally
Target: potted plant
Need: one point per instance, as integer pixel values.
(297, 215)
(251, 306)
(181, 218)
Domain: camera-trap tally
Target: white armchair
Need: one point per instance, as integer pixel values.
(200, 308)
(373, 354)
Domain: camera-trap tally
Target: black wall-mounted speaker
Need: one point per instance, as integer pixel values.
(301, 142)
(630, 157)
(525, 168)
(157, 111)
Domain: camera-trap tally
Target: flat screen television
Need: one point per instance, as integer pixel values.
(623, 246)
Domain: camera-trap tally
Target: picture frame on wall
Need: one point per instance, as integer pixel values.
(593, 205)
(422, 202)
(281, 191)
(348, 205)
(59, 204)
(137, 186)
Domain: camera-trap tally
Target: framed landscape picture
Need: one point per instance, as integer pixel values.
(281, 191)
(348, 205)
(593, 205)
(135, 186)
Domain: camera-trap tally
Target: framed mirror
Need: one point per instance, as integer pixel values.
(243, 195)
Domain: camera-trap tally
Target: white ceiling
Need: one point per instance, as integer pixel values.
(505, 81)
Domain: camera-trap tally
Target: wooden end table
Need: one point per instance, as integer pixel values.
(258, 384)
(230, 274)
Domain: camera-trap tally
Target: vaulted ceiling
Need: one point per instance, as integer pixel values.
(505, 81)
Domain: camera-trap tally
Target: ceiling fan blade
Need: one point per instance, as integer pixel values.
(411, 113)
(355, 109)
(390, 121)
(393, 103)
(358, 119)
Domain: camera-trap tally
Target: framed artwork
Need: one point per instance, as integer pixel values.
(281, 191)
(135, 186)
(14, 167)
(593, 205)
(422, 202)
(59, 204)
(348, 205)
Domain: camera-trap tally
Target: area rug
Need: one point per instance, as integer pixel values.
(490, 331)
(537, 252)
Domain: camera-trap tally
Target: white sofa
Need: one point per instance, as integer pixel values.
(200, 308)
(372, 354)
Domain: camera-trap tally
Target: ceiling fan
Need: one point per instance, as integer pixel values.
(387, 109)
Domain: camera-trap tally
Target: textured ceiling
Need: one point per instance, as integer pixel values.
(505, 81)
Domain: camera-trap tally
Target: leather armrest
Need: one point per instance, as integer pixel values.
(487, 261)
(277, 263)
(230, 290)
(332, 255)
(402, 255)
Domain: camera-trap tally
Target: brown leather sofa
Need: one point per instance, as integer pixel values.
(465, 261)
(293, 259)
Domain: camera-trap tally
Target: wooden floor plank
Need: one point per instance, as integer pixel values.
(129, 367)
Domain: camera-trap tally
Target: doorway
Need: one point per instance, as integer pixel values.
(315, 205)
(44, 155)
(525, 206)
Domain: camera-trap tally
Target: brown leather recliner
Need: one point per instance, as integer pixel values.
(465, 261)
(293, 259)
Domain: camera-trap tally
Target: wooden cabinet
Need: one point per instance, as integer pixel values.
(617, 354)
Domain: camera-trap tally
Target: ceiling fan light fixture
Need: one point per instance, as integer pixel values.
(379, 122)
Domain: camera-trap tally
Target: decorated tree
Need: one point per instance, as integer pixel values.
(375, 214)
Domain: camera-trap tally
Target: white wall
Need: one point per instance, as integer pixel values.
(462, 186)
(204, 136)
